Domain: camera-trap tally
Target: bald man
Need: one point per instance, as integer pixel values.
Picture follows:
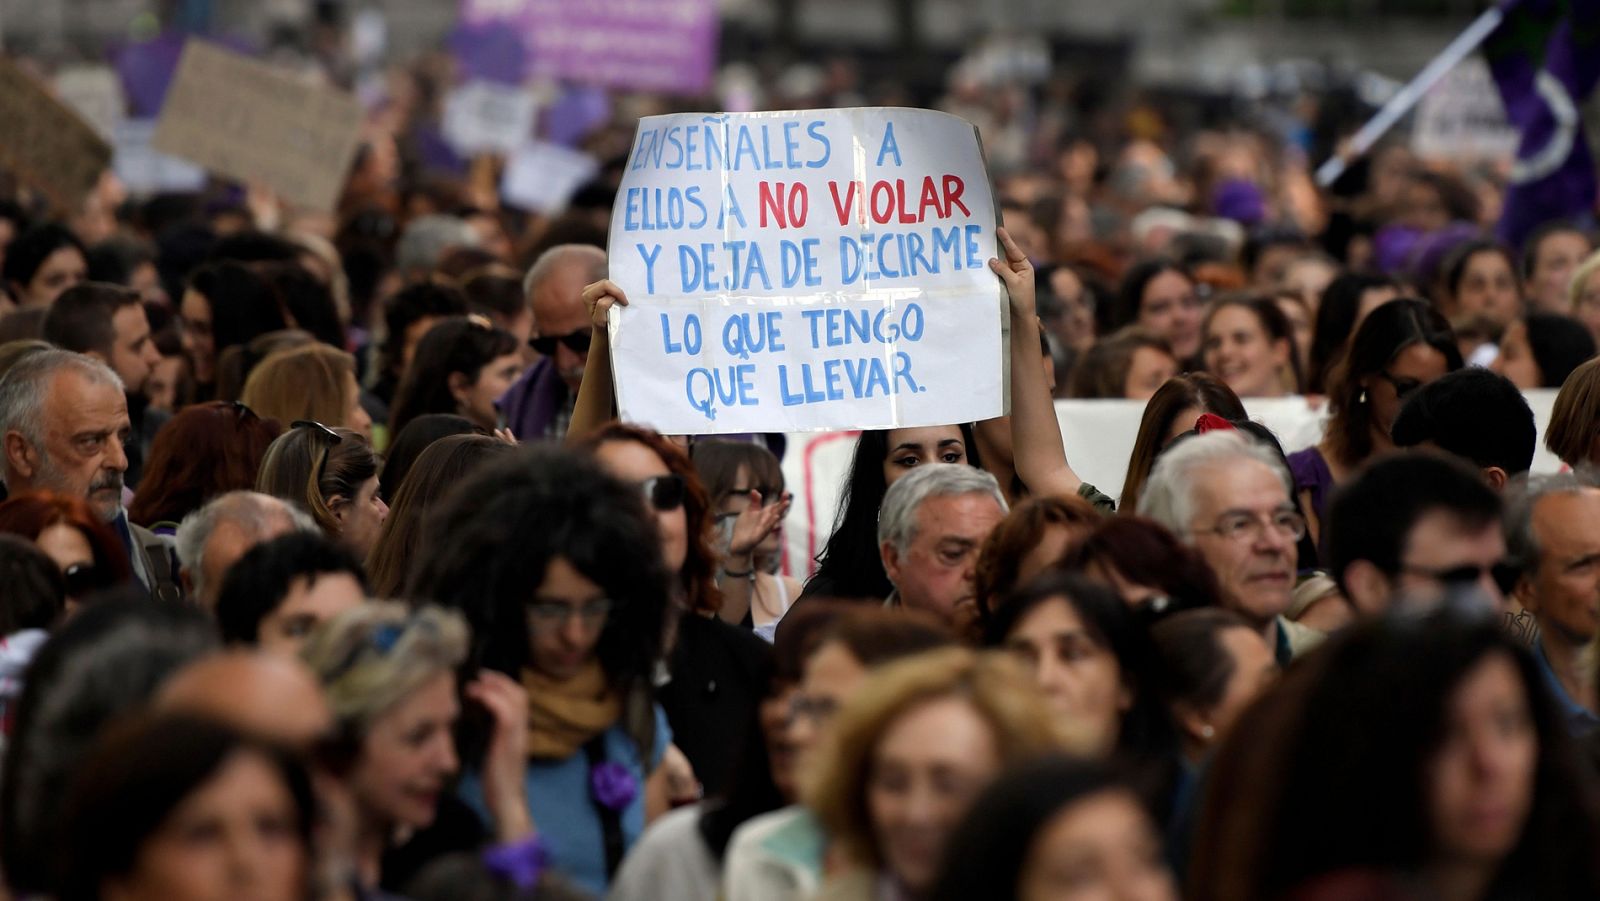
(267, 695)
(539, 405)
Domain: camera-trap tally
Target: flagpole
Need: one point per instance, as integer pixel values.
(1407, 97)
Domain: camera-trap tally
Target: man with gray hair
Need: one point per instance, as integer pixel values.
(214, 537)
(1553, 539)
(64, 427)
(932, 523)
(1228, 497)
(540, 404)
(425, 243)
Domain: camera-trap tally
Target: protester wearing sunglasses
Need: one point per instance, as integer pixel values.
(540, 404)
(89, 555)
(714, 667)
(1400, 347)
(1412, 529)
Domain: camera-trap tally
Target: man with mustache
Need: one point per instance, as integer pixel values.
(540, 404)
(64, 427)
(1228, 497)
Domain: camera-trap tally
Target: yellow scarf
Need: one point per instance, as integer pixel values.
(564, 715)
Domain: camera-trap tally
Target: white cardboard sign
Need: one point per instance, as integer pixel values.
(806, 270)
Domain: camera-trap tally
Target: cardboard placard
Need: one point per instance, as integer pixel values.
(822, 269)
(47, 144)
(249, 121)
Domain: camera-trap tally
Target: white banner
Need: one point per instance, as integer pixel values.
(1098, 435)
(800, 271)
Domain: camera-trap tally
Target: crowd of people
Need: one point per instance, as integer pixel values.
(327, 570)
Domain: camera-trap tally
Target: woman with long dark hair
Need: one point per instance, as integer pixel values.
(1401, 346)
(462, 365)
(1416, 755)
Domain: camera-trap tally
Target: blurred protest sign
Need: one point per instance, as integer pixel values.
(793, 271)
(145, 170)
(541, 177)
(95, 92)
(252, 122)
(47, 144)
(643, 45)
(483, 117)
(1461, 118)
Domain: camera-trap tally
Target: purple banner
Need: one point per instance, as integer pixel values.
(646, 45)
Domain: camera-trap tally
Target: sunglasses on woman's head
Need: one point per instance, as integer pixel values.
(664, 493)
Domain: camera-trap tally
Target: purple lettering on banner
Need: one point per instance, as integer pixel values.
(646, 45)
(491, 52)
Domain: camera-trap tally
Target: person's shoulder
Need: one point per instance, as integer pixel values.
(1308, 466)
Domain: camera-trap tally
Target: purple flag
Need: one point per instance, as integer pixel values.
(1545, 58)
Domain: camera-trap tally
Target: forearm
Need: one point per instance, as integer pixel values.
(1038, 453)
(595, 405)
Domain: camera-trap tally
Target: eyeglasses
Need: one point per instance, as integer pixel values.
(551, 616)
(1403, 387)
(84, 579)
(321, 431)
(1249, 526)
(665, 493)
(577, 342)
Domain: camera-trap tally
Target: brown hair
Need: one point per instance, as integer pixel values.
(1575, 417)
(718, 461)
(994, 684)
(698, 576)
(1192, 389)
(440, 466)
(307, 467)
(206, 450)
(1017, 535)
(1103, 370)
(307, 382)
(1142, 550)
(1275, 325)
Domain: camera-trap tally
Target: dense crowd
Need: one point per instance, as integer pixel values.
(328, 571)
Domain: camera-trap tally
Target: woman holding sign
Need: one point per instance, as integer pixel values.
(850, 566)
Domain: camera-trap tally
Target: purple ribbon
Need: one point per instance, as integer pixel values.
(519, 863)
(613, 786)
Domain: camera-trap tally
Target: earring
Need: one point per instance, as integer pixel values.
(1207, 731)
(1363, 398)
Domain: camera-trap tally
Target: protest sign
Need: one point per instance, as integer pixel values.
(792, 271)
(143, 169)
(47, 144)
(484, 117)
(250, 121)
(542, 177)
(642, 45)
(95, 93)
(1461, 118)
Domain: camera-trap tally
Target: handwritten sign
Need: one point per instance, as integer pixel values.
(542, 177)
(46, 143)
(253, 122)
(794, 271)
(1461, 118)
(484, 117)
